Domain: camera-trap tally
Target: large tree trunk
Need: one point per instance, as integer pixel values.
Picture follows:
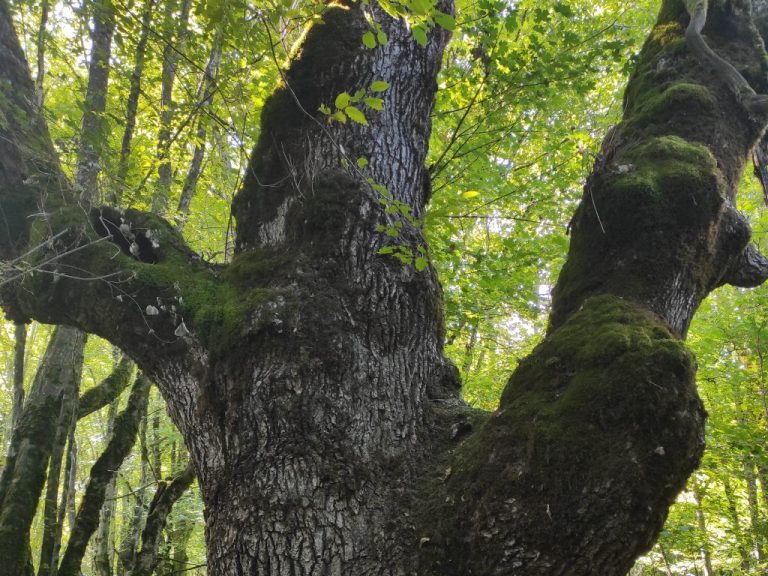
(307, 377)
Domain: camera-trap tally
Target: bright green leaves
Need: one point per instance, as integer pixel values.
(345, 109)
(343, 100)
(375, 103)
(356, 115)
(420, 34)
(375, 37)
(422, 15)
(369, 40)
(347, 105)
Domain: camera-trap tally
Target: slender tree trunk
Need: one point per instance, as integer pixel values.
(701, 521)
(24, 475)
(20, 334)
(103, 559)
(130, 545)
(133, 101)
(53, 506)
(755, 518)
(103, 472)
(734, 517)
(41, 39)
(207, 91)
(159, 509)
(170, 67)
(90, 155)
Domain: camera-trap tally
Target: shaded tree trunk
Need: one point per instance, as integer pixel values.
(133, 102)
(20, 347)
(54, 509)
(208, 86)
(104, 543)
(170, 66)
(308, 378)
(32, 443)
(701, 521)
(102, 474)
(159, 509)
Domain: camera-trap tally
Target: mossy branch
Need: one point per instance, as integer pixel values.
(107, 390)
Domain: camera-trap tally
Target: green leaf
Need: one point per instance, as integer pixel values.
(445, 20)
(564, 9)
(340, 116)
(375, 103)
(362, 162)
(471, 193)
(342, 100)
(420, 7)
(359, 94)
(356, 115)
(420, 35)
(324, 109)
(420, 263)
(382, 37)
(379, 86)
(369, 40)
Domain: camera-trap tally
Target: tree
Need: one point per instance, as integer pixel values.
(307, 375)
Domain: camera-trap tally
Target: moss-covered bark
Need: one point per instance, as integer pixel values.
(24, 475)
(599, 428)
(102, 473)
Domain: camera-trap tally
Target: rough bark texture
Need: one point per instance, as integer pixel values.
(307, 376)
(49, 547)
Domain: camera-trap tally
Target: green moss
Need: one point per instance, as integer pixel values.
(595, 404)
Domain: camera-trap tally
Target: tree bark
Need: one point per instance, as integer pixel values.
(159, 509)
(89, 156)
(133, 102)
(307, 376)
(104, 543)
(102, 473)
(207, 92)
(130, 545)
(20, 335)
(52, 505)
(170, 67)
(32, 443)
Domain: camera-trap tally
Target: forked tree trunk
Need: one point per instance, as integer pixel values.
(307, 377)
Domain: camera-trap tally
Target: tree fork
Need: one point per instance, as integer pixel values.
(599, 428)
